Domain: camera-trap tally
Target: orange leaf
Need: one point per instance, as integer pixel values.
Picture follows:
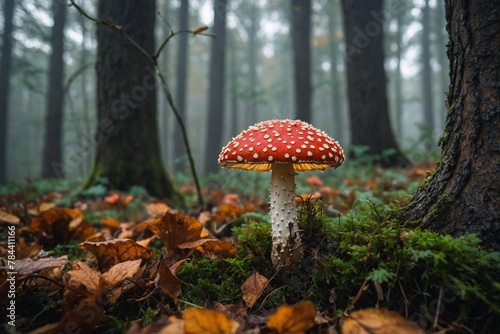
(314, 181)
(200, 30)
(82, 280)
(110, 223)
(155, 209)
(378, 321)
(109, 253)
(209, 322)
(53, 223)
(293, 319)
(223, 249)
(253, 288)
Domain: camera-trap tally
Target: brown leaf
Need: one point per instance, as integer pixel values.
(53, 223)
(82, 280)
(209, 322)
(111, 223)
(175, 229)
(6, 217)
(109, 253)
(378, 321)
(116, 274)
(252, 288)
(168, 282)
(223, 249)
(293, 319)
(29, 266)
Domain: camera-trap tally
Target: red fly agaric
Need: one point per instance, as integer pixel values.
(283, 147)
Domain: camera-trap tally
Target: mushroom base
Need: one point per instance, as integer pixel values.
(287, 245)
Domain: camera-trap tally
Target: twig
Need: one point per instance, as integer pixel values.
(438, 308)
(166, 90)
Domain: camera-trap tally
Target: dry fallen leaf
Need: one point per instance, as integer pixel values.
(378, 321)
(174, 229)
(29, 266)
(6, 217)
(296, 319)
(168, 283)
(155, 209)
(109, 253)
(208, 322)
(116, 274)
(252, 288)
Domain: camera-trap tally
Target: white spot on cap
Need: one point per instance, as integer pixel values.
(239, 158)
(255, 155)
(309, 154)
(270, 158)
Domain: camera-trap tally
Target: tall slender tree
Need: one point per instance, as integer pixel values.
(5, 65)
(127, 149)
(463, 194)
(52, 151)
(339, 130)
(252, 62)
(216, 88)
(366, 79)
(301, 42)
(182, 77)
(444, 80)
(427, 81)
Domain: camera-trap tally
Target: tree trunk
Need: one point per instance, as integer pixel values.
(8, 12)
(444, 80)
(366, 80)
(463, 194)
(182, 73)
(216, 89)
(398, 83)
(233, 83)
(339, 126)
(301, 41)
(427, 97)
(52, 152)
(252, 63)
(127, 152)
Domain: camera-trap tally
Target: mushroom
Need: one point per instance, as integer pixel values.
(283, 147)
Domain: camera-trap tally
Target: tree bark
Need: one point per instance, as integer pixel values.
(252, 63)
(52, 152)
(427, 82)
(301, 42)
(182, 74)
(127, 151)
(216, 89)
(398, 82)
(463, 194)
(444, 80)
(5, 63)
(366, 80)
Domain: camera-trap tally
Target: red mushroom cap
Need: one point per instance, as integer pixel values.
(282, 141)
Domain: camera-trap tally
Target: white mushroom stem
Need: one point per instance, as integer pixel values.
(287, 247)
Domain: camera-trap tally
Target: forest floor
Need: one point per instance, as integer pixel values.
(110, 262)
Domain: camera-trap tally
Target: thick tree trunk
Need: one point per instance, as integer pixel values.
(370, 125)
(301, 41)
(427, 93)
(398, 82)
(8, 12)
(127, 152)
(52, 152)
(463, 194)
(182, 74)
(216, 89)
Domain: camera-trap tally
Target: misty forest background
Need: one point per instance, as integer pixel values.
(258, 73)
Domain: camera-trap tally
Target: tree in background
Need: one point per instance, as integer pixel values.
(340, 129)
(301, 47)
(5, 64)
(216, 88)
(182, 77)
(127, 150)
(463, 194)
(427, 93)
(366, 80)
(52, 152)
